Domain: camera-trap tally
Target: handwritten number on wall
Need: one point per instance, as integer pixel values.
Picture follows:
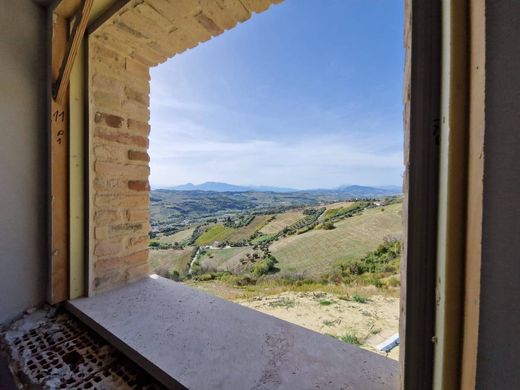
(59, 116)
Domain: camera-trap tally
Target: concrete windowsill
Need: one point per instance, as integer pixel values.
(185, 337)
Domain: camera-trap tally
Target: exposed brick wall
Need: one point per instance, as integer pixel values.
(142, 34)
(119, 169)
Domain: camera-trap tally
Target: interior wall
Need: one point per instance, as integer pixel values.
(497, 362)
(23, 256)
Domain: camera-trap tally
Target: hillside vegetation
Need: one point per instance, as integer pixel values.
(331, 266)
(315, 252)
(307, 244)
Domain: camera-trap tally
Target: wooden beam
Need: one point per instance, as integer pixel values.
(477, 122)
(80, 25)
(59, 196)
(106, 15)
(421, 121)
(67, 8)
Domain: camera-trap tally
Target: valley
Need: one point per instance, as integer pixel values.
(323, 261)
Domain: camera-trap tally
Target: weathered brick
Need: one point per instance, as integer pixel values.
(112, 231)
(108, 84)
(110, 185)
(112, 202)
(107, 279)
(138, 96)
(222, 17)
(136, 110)
(108, 100)
(108, 247)
(138, 215)
(137, 258)
(107, 55)
(113, 152)
(121, 138)
(100, 68)
(148, 57)
(139, 126)
(138, 185)
(137, 272)
(136, 68)
(125, 170)
(108, 120)
(136, 155)
(138, 243)
(106, 217)
(257, 5)
(209, 24)
(237, 9)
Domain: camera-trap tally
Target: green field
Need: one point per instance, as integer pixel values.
(214, 233)
(167, 260)
(281, 221)
(309, 255)
(314, 252)
(223, 233)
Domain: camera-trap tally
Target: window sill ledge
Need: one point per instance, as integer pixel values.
(185, 337)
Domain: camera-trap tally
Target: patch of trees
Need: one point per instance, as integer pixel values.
(372, 268)
(199, 230)
(265, 266)
(357, 208)
(240, 221)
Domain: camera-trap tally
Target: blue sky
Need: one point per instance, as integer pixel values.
(305, 95)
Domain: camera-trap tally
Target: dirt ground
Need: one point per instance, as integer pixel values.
(371, 322)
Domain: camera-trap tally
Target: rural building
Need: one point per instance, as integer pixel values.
(74, 167)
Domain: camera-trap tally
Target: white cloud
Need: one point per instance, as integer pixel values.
(192, 153)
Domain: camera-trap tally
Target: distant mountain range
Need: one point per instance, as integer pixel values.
(352, 190)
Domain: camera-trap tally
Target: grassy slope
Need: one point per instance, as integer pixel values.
(339, 205)
(227, 259)
(170, 259)
(245, 232)
(316, 251)
(281, 221)
(177, 237)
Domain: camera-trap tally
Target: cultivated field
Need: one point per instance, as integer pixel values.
(223, 233)
(281, 221)
(338, 205)
(165, 261)
(226, 259)
(316, 251)
(214, 233)
(178, 237)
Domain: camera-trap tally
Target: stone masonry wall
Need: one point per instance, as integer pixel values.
(142, 34)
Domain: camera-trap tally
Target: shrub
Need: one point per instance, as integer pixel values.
(174, 275)
(359, 298)
(283, 302)
(328, 226)
(350, 338)
(265, 266)
(204, 277)
(325, 303)
(393, 281)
